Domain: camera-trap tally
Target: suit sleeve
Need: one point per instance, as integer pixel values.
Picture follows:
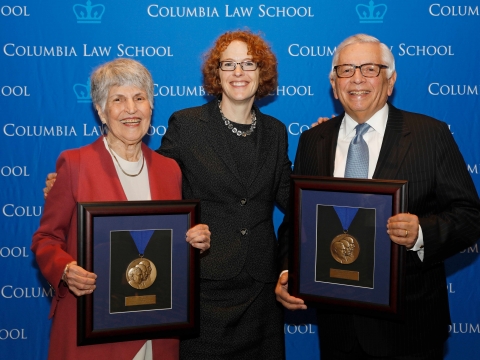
(282, 199)
(297, 167)
(49, 242)
(285, 230)
(456, 223)
(171, 141)
(285, 165)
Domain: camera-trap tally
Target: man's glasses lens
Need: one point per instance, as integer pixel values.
(367, 70)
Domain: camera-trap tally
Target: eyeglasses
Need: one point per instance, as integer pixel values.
(232, 65)
(368, 70)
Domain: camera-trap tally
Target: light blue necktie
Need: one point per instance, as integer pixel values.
(357, 158)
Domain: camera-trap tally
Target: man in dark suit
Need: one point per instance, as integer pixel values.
(443, 205)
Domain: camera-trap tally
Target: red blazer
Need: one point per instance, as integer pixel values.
(88, 174)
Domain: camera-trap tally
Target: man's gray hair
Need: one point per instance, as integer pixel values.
(387, 56)
(119, 72)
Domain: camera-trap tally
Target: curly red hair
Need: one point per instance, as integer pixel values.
(261, 53)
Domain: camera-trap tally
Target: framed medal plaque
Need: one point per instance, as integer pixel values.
(147, 274)
(342, 257)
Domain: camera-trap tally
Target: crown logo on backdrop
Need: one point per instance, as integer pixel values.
(88, 14)
(82, 91)
(371, 13)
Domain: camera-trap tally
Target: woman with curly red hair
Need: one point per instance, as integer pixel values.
(234, 159)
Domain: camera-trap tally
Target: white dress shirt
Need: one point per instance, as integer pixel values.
(137, 187)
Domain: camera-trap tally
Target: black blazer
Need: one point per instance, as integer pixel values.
(441, 193)
(239, 213)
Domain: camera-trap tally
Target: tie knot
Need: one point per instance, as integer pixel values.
(362, 129)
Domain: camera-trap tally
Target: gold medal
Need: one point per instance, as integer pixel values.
(344, 248)
(141, 273)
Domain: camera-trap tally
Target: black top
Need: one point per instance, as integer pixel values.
(242, 148)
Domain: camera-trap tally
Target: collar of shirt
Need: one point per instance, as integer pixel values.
(377, 122)
(373, 137)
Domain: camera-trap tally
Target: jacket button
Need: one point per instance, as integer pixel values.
(243, 201)
(244, 232)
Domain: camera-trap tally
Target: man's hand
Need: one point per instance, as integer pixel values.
(403, 229)
(49, 182)
(288, 301)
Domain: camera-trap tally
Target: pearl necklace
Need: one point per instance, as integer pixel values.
(229, 124)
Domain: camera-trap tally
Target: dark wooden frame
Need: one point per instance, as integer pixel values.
(397, 189)
(87, 213)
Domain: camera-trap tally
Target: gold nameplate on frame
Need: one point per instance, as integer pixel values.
(140, 300)
(345, 274)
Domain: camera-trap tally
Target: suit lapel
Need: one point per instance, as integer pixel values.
(263, 145)
(104, 163)
(216, 133)
(328, 146)
(395, 145)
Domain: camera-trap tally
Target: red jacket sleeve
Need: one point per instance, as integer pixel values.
(50, 241)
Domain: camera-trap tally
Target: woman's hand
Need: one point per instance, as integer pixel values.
(321, 120)
(79, 281)
(199, 237)
(49, 182)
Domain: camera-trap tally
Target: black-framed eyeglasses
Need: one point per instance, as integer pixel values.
(229, 65)
(368, 70)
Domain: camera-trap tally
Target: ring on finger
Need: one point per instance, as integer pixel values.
(406, 233)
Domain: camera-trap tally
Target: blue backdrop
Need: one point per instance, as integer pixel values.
(49, 48)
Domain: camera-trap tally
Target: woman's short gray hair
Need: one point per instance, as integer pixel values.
(119, 72)
(387, 56)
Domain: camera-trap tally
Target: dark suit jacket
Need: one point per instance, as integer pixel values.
(238, 212)
(88, 174)
(441, 193)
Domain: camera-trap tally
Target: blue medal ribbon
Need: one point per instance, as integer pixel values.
(346, 215)
(141, 239)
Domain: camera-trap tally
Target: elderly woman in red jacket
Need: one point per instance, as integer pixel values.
(116, 167)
